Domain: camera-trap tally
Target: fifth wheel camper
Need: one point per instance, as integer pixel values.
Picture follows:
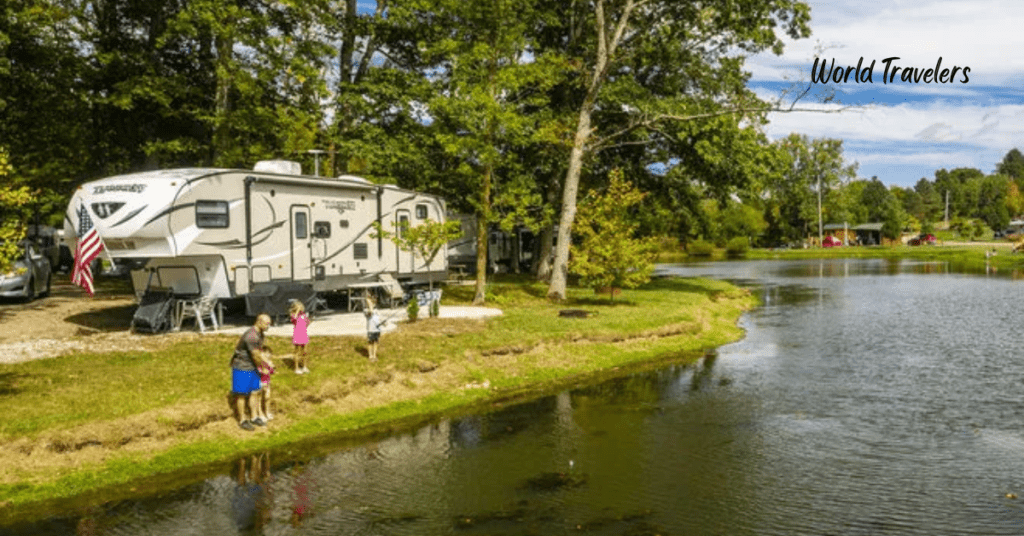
(231, 233)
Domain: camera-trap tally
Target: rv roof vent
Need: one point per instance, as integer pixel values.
(286, 167)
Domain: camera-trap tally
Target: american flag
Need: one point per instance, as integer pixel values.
(89, 247)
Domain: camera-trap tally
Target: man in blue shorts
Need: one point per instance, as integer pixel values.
(245, 377)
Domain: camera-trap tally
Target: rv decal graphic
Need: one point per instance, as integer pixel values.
(128, 188)
(340, 206)
(168, 211)
(105, 209)
(403, 200)
(131, 215)
(268, 230)
(234, 242)
(346, 246)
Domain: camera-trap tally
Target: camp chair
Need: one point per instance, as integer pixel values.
(198, 308)
(392, 293)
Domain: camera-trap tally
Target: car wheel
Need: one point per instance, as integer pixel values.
(30, 290)
(49, 280)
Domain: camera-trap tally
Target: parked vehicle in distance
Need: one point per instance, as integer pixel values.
(923, 238)
(46, 241)
(30, 275)
(831, 242)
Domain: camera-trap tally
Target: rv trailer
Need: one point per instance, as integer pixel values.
(503, 249)
(229, 233)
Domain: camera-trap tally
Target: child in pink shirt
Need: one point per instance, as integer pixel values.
(299, 336)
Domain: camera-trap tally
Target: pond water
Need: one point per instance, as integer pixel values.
(869, 397)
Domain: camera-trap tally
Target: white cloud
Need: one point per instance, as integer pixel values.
(984, 35)
(934, 122)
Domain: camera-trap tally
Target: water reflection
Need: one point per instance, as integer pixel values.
(869, 397)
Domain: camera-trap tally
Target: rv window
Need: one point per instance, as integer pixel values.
(300, 225)
(322, 229)
(403, 223)
(360, 250)
(211, 214)
(343, 224)
(421, 212)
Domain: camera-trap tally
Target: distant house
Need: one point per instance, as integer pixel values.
(869, 234)
(841, 231)
(865, 234)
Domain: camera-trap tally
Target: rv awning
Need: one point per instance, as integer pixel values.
(313, 181)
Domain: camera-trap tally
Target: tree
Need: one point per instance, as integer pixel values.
(804, 167)
(490, 102)
(424, 240)
(44, 108)
(931, 202)
(608, 254)
(13, 203)
(992, 201)
(1012, 165)
(1014, 200)
(669, 62)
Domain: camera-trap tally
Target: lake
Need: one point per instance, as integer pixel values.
(869, 397)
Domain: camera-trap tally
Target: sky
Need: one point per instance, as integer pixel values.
(903, 131)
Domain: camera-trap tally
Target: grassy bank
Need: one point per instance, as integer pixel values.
(963, 257)
(109, 423)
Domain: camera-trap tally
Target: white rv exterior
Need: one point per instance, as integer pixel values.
(502, 249)
(220, 232)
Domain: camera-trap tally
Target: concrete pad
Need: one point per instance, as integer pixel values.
(339, 323)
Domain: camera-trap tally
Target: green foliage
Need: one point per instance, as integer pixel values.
(700, 248)
(1012, 165)
(435, 308)
(804, 165)
(980, 229)
(608, 254)
(13, 206)
(424, 240)
(737, 247)
(413, 309)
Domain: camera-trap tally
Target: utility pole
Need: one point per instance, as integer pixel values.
(947, 210)
(821, 236)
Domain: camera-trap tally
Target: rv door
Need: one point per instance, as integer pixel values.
(403, 258)
(302, 254)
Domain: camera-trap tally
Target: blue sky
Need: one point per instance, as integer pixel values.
(901, 132)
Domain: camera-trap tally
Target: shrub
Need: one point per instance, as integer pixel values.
(737, 247)
(435, 308)
(413, 309)
(700, 248)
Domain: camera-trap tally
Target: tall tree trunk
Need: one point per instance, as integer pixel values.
(346, 57)
(481, 258)
(606, 46)
(517, 251)
(542, 261)
(541, 268)
(560, 267)
(225, 81)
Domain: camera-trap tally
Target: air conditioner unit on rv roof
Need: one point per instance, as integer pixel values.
(286, 167)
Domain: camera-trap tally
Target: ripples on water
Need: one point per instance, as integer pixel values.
(869, 397)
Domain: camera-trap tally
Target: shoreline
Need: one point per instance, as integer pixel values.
(505, 359)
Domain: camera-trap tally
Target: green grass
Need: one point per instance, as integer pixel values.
(969, 257)
(45, 398)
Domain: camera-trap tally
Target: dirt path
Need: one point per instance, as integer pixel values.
(69, 321)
